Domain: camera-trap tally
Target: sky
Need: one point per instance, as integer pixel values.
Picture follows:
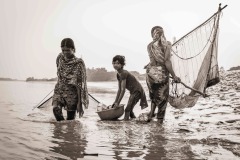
(31, 31)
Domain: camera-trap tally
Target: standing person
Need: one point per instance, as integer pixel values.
(157, 77)
(127, 81)
(71, 89)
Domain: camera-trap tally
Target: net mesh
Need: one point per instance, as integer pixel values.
(194, 60)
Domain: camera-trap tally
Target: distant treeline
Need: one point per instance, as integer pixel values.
(234, 68)
(96, 74)
(8, 79)
(43, 79)
(101, 74)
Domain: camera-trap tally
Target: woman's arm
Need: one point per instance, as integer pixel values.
(79, 104)
(82, 83)
(168, 63)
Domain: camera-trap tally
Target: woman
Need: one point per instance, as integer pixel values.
(71, 89)
(158, 72)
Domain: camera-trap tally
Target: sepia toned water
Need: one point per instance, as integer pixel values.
(209, 130)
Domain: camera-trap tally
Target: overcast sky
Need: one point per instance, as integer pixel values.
(31, 31)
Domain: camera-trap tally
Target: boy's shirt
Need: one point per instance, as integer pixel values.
(132, 83)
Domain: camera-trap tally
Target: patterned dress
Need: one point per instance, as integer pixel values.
(157, 76)
(71, 74)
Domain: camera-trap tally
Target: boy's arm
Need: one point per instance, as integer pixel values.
(122, 91)
(118, 92)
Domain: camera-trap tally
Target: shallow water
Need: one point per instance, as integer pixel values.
(209, 130)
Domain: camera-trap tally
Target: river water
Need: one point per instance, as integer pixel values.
(209, 130)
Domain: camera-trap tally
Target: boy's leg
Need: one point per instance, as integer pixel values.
(133, 99)
(126, 115)
(132, 115)
(137, 96)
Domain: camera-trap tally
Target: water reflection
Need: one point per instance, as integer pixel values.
(133, 141)
(119, 140)
(70, 139)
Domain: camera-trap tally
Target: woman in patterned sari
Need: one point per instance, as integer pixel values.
(158, 72)
(71, 89)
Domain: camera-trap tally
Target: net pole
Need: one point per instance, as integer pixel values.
(38, 106)
(214, 39)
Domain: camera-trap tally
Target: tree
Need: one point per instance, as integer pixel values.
(30, 79)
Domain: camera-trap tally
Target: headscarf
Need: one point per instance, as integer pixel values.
(151, 51)
(163, 38)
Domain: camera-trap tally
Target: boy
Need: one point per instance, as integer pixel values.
(127, 81)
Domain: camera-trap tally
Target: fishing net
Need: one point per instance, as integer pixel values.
(194, 60)
(104, 112)
(46, 104)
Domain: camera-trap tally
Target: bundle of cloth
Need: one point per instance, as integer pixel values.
(102, 107)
